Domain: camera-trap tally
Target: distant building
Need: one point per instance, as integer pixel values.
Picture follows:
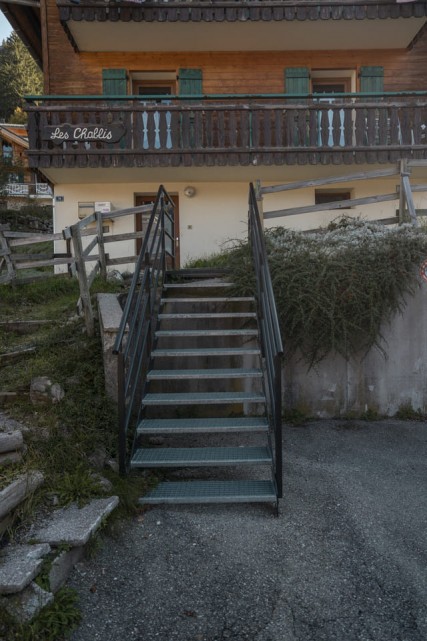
(23, 184)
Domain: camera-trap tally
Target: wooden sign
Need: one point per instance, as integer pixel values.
(83, 133)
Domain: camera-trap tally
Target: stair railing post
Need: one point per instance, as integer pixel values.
(122, 412)
(101, 248)
(148, 310)
(278, 423)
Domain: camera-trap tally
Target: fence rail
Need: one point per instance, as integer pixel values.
(85, 256)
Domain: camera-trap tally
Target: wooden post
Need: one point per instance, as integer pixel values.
(81, 275)
(410, 200)
(101, 249)
(4, 245)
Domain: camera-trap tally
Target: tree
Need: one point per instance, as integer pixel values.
(19, 76)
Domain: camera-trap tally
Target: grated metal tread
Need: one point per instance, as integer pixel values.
(202, 398)
(250, 491)
(183, 333)
(169, 374)
(202, 425)
(211, 299)
(198, 285)
(199, 456)
(210, 315)
(207, 351)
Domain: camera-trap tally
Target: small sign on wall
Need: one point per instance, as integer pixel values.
(83, 133)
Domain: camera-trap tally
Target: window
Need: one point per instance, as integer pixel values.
(324, 196)
(152, 83)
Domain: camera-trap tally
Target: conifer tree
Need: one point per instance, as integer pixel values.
(19, 76)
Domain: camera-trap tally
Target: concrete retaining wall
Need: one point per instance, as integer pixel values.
(368, 381)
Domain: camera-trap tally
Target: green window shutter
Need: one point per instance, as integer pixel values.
(190, 82)
(372, 79)
(297, 80)
(114, 82)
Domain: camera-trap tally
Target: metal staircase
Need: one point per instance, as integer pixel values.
(194, 374)
(198, 404)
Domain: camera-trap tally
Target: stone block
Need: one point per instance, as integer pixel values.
(62, 567)
(74, 526)
(19, 565)
(25, 605)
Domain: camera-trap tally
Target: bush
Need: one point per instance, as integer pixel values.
(335, 288)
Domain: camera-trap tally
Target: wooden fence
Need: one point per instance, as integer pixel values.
(404, 194)
(82, 259)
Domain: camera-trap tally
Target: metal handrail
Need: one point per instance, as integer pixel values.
(224, 96)
(136, 332)
(271, 341)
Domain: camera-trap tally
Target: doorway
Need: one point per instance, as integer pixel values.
(141, 221)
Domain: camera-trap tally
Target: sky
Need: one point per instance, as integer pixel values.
(5, 28)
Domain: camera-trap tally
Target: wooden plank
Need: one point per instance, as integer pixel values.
(82, 277)
(128, 236)
(318, 182)
(93, 243)
(11, 441)
(18, 491)
(406, 185)
(9, 264)
(369, 200)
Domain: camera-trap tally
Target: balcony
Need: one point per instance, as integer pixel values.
(27, 190)
(78, 132)
(242, 25)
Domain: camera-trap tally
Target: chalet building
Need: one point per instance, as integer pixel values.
(20, 184)
(205, 97)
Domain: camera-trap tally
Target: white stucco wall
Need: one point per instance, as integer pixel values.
(217, 212)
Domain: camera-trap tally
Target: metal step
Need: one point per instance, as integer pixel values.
(211, 492)
(202, 425)
(184, 333)
(172, 374)
(202, 398)
(200, 456)
(206, 284)
(211, 299)
(207, 351)
(209, 315)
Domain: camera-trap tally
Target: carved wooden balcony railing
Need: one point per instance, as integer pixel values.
(128, 133)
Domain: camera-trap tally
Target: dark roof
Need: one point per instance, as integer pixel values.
(231, 11)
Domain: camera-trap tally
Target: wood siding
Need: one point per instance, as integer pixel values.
(68, 72)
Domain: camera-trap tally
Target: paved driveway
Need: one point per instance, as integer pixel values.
(345, 561)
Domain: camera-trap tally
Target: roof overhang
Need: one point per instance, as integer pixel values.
(25, 20)
(236, 26)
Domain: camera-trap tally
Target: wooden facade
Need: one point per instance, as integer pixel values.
(238, 129)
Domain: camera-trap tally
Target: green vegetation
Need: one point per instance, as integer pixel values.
(19, 76)
(56, 621)
(335, 288)
(66, 440)
(407, 413)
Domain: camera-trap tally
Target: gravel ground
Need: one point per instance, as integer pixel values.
(345, 561)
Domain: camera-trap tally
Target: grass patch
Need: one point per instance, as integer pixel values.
(63, 438)
(54, 622)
